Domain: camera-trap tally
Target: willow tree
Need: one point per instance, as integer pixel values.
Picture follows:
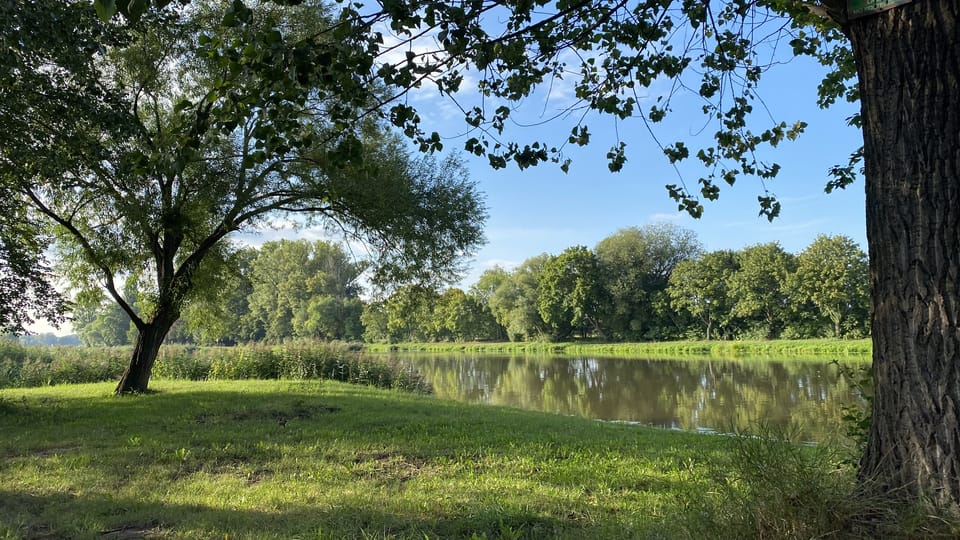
(899, 58)
(194, 145)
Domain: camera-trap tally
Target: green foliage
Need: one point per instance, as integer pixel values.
(191, 129)
(700, 287)
(295, 361)
(822, 349)
(609, 52)
(23, 367)
(765, 485)
(26, 293)
(305, 290)
(833, 274)
(482, 292)
(410, 314)
(774, 488)
(858, 418)
(651, 283)
(43, 77)
(101, 325)
(571, 293)
(375, 323)
(461, 317)
(514, 303)
(636, 264)
(759, 287)
(413, 313)
(299, 361)
(217, 312)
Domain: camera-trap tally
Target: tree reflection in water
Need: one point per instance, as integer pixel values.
(806, 397)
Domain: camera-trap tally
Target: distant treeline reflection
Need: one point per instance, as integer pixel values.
(805, 398)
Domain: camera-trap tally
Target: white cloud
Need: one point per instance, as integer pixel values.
(506, 264)
(672, 217)
(797, 227)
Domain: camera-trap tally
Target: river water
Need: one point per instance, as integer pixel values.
(802, 399)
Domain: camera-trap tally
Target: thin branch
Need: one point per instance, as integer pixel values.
(92, 254)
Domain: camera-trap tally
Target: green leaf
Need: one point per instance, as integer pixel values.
(105, 8)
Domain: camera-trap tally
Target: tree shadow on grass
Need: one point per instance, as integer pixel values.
(38, 517)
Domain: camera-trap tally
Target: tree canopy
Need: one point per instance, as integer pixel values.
(637, 264)
(511, 49)
(173, 145)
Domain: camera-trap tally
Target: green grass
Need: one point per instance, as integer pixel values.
(322, 459)
(269, 459)
(780, 349)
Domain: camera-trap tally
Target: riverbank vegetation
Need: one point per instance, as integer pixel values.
(648, 284)
(827, 349)
(22, 366)
(322, 459)
(27, 366)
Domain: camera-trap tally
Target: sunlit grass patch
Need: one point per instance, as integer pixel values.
(281, 459)
(321, 459)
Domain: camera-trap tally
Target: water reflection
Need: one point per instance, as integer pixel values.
(704, 395)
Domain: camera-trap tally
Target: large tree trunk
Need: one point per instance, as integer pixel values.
(908, 61)
(136, 377)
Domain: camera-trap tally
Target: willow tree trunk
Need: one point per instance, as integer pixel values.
(136, 377)
(908, 60)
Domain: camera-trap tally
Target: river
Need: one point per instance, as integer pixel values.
(802, 399)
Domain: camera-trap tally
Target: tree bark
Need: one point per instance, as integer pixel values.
(136, 377)
(908, 61)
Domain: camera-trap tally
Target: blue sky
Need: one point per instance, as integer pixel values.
(541, 209)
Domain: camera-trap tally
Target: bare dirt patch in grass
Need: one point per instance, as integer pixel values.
(133, 532)
(54, 451)
(387, 467)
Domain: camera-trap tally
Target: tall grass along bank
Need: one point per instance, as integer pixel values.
(28, 366)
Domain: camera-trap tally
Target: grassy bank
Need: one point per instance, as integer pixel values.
(321, 459)
(799, 348)
(325, 460)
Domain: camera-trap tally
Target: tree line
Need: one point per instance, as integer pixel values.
(645, 283)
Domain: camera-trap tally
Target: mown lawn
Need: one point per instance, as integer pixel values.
(320, 459)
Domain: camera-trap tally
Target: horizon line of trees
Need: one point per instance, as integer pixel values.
(647, 283)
